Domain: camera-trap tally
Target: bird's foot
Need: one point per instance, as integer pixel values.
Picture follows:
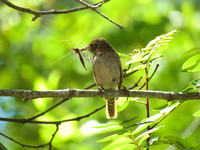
(125, 90)
(101, 90)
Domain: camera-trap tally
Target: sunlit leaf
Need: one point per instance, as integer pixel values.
(192, 64)
(152, 140)
(126, 147)
(107, 125)
(155, 59)
(118, 143)
(137, 68)
(170, 108)
(194, 86)
(161, 107)
(179, 142)
(196, 114)
(113, 137)
(122, 103)
(149, 121)
(145, 134)
(189, 53)
(123, 55)
(144, 138)
(136, 58)
(129, 120)
(110, 128)
(147, 55)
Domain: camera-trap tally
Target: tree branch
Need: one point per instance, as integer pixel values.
(48, 12)
(51, 122)
(94, 9)
(38, 14)
(31, 146)
(49, 109)
(67, 93)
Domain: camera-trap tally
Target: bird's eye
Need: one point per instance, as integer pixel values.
(93, 45)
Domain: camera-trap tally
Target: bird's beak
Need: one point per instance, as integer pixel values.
(83, 49)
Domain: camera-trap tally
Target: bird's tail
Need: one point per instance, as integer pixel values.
(111, 109)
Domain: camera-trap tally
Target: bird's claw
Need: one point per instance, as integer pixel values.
(101, 90)
(125, 90)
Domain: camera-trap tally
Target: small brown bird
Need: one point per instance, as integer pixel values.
(107, 71)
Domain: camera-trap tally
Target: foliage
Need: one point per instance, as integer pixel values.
(30, 59)
(136, 139)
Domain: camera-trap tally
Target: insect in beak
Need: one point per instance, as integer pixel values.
(77, 51)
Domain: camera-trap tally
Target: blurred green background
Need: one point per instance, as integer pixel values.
(31, 57)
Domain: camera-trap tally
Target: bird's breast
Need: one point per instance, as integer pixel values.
(106, 69)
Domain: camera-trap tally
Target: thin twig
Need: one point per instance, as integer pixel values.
(31, 146)
(51, 108)
(57, 123)
(136, 84)
(23, 145)
(53, 136)
(23, 121)
(150, 76)
(94, 9)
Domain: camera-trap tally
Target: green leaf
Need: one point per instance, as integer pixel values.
(149, 121)
(161, 107)
(111, 128)
(121, 142)
(192, 52)
(192, 64)
(197, 114)
(193, 86)
(144, 138)
(123, 55)
(126, 147)
(179, 142)
(107, 125)
(122, 103)
(137, 68)
(153, 140)
(113, 137)
(170, 108)
(136, 58)
(161, 40)
(146, 134)
(146, 55)
(155, 59)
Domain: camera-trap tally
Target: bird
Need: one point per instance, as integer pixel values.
(107, 71)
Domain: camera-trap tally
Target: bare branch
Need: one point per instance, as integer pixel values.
(23, 145)
(53, 136)
(48, 12)
(94, 9)
(29, 94)
(31, 146)
(57, 123)
(150, 76)
(49, 109)
(51, 122)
